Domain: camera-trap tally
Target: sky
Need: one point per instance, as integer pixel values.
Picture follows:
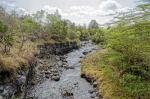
(78, 11)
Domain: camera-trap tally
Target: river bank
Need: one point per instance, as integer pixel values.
(12, 89)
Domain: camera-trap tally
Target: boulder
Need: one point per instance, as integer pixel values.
(85, 53)
(56, 78)
(95, 84)
(93, 95)
(91, 91)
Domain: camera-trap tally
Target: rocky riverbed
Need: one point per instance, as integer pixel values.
(53, 74)
(58, 76)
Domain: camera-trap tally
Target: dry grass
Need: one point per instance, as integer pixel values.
(18, 59)
(108, 84)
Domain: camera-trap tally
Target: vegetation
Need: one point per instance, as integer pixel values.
(20, 35)
(122, 69)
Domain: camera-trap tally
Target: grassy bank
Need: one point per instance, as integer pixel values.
(100, 66)
(122, 69)
(94, 68)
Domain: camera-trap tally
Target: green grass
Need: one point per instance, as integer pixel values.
(106, 67)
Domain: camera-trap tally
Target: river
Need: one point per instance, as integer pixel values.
(70, 85)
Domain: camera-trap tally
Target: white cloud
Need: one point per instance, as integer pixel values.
(81, 14)
(7, 5)
(22, 11)
(110, 5)
(50, 9)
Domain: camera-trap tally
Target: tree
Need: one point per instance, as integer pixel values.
(93, 24)
(28, 28)
(57, 27)
(6, 38)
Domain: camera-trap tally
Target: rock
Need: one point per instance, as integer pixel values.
(93, 95)
(33, 82)
(56, 78)
(85, 53)
(47, 72)
(64, 63)
(90, 51)
(91, 91)
(47, 76)
(67, 93)
(80, 61)
(95, 84)
(58, 58)
(94, 49)
(56, 74)
(60, 63)
(64, 60)
(81, 56)
(53, 70)
(69, 67)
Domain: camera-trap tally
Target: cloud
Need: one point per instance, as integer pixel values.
(8, 5)
(110, 5)
(22, 11)
(50, 9)
(80, 14)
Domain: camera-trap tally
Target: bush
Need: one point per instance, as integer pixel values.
(99, 37)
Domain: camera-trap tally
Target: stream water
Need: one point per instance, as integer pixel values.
(70, 85)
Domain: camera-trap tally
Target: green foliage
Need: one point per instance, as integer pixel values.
(98, 36)
(128, 42)
(61, 29)
(6, 38)
(84, 33)
(132, 62)
(3, 27)
(93, 25)
(133, 84)
(132, 41)
(29, 25)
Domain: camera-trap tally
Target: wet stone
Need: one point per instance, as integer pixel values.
(33, 82)
(56, 78)
(64, 63)
(60, 63)
(91, 91)
(69, 67)
(55, 74)
(47, 76)
(85, 53)
(47, 72)
(58, 58)
(81, 57)
(93, 95)
(53, 70)
(95, 84)
(67, 93)
(64, 60)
